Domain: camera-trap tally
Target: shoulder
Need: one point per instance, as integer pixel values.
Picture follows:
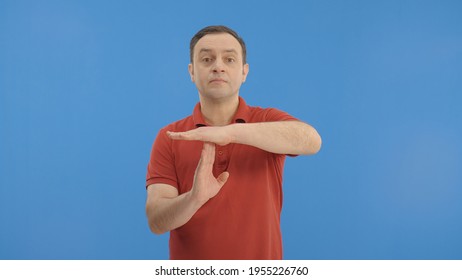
(184, 124)
(259, 114)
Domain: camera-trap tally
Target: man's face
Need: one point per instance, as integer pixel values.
(217, 68)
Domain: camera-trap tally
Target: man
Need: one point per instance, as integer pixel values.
(214, 179)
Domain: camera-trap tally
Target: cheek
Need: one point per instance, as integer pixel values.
(203, 77)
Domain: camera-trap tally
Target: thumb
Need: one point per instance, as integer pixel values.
(222, 178)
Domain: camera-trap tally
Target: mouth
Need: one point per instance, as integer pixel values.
(217, 81)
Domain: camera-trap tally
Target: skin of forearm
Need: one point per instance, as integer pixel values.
(165, 214)
(283, 137)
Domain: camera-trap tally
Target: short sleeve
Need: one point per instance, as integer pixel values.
(161, 166)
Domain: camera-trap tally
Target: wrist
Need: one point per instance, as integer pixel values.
(233, 132)
(195, 200)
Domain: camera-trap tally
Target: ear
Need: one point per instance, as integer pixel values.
(191, 71)
(245, 71)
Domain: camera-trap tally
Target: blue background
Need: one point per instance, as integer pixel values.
(86, 85)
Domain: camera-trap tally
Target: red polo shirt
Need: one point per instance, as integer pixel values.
(243, 220)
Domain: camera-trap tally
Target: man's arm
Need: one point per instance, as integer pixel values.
(166, 210)
(282, 137)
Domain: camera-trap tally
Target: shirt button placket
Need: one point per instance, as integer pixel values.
(221, 159)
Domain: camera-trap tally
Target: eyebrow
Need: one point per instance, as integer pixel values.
(210, 50)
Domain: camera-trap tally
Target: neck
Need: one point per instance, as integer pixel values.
(219, 112)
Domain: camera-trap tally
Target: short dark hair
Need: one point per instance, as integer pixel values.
(216, 29)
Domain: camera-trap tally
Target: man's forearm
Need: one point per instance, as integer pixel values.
(165, 214)
(283, 137)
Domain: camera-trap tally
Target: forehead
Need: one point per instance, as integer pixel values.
(218, 43)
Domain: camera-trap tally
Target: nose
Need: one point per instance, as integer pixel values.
(218, 66)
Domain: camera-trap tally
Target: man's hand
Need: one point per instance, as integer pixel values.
(205, 185)
(219, 135)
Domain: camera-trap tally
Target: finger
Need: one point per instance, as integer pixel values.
(175, 135)
(207, 157)
(222, 178)
(187, 135)
(204, 164)
(208, 153)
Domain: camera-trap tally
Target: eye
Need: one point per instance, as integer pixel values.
(206, 59)
(231, 59)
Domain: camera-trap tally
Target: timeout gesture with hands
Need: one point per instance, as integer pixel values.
(169, 210)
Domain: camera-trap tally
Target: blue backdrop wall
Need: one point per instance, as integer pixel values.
(85, 86)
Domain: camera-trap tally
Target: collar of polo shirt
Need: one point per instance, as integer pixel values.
(241, 116)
